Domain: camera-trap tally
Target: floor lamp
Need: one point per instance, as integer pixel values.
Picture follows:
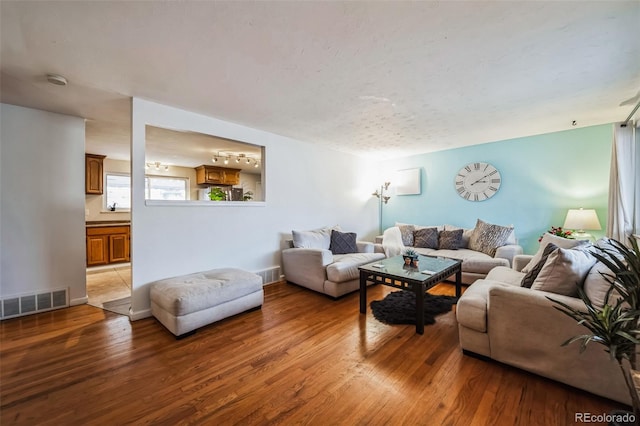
(382, 199)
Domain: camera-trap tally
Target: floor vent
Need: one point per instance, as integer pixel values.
(26, 304)
(270, 275)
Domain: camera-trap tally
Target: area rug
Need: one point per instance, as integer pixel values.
(118, 306)
(399, 307)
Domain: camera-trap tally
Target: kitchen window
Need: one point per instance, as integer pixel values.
(118, 189)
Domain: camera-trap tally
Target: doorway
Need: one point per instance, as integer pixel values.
(109, 288)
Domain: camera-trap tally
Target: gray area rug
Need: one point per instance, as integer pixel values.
(118, 306)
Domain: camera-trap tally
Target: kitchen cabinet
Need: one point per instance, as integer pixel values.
(212, 175)
(107, 244)
(93, 183)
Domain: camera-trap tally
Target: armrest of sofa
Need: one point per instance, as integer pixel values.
(306, 266)
(365, 246)
(521, 260)
(508, 252)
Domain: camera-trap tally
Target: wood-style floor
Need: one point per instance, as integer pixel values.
(302, 359)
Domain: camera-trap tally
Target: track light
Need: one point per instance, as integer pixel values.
(214, 159)
(237, 159)
(226, 160)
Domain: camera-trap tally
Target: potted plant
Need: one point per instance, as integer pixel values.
(248, 196)
(217, 194)
(410, 257)
(616, 325)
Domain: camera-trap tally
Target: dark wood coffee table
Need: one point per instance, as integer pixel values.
(394, 273)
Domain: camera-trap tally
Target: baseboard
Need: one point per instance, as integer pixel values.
(135, 316)
(79, 301)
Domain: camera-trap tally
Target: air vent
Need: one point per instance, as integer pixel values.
(270, 275)
(26, 304)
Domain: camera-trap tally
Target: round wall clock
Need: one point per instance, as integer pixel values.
(477, 181)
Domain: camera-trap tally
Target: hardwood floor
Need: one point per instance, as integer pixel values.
(302, 359)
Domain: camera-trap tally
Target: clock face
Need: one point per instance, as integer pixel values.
(477, 181)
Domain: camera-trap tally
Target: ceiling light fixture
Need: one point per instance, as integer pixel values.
(226, 160)
(56, 79)
(214, 159)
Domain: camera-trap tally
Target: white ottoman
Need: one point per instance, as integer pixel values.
(187, 302)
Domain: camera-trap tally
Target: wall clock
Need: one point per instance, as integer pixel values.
(477, 181)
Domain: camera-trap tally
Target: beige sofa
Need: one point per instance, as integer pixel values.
(313, 265)
(499, 319)
(475, 264)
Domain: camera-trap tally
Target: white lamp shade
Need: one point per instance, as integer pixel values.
(582, 219)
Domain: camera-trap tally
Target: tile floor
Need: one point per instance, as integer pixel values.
(110, 289)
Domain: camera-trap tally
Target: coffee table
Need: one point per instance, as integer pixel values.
(393, 272)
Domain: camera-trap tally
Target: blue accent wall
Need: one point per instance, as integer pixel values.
(542, 177)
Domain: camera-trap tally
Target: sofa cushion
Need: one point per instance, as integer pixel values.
(450, 240)
(407, 234)
(316, 238)
(531, 276)
(472, 261)
(343, 242)
(563, 271)
(426, 238)
(487, 237)
(345, 266)
(506, 275)
(547, 238)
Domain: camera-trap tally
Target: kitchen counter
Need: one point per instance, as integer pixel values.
(102, 223)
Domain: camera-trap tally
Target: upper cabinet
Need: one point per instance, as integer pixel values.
(212, 175)
(93, 173)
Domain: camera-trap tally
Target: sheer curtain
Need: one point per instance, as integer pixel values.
(623, 181)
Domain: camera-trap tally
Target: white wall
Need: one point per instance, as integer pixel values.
(42, 233)
(306, 187)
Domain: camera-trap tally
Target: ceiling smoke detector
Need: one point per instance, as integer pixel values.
(56, 79)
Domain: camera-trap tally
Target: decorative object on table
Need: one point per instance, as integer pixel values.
(477, 181)
(112, 207)
(399, 307)
(382, 199)
(408, 182)
(410, 257)
(248, 196)
(217, 194)
(559, 232)
(582, 220)
(615, 324)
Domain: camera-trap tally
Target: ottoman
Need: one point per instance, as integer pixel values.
(187, 302)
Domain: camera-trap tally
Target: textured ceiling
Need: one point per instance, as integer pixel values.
(379, 79)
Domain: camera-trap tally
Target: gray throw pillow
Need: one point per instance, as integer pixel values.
(343, 242)
(530, 277)
(426, 238)
(450, 240)
(407, 234)
(486, 237)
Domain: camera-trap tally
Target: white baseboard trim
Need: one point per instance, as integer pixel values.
(135, 316)
(79, 301)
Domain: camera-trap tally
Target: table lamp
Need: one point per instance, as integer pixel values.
(581, 220)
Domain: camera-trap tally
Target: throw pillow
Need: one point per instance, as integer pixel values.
(407, 234)
(530, 277)
(315, 238)
(596, 286)
(466, 234)
(450, 240)
(564, 271)
(426, 238)
(547, 238)
(486, 237)
(343, 242)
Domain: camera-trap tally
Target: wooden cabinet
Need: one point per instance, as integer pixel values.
(107, 244)
(93, 183)
(212, 175)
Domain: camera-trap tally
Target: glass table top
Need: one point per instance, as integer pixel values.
(427, 266)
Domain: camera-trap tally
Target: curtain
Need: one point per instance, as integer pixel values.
(623, 200)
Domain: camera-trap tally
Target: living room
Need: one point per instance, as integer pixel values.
(307, 184)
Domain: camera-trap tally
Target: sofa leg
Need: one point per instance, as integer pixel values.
(475, 355)
(187, 334)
